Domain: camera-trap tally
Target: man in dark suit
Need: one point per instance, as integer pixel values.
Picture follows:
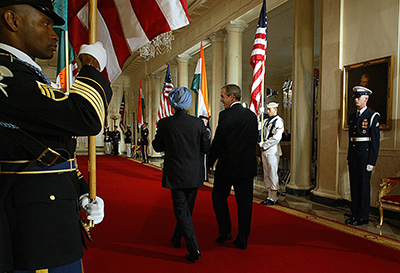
(184, 140)
(364, 142)
(234, 145)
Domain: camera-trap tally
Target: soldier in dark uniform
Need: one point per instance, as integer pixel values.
(144, 142)
(116, 138)
(128, 141)
(107, 141)
(364, 141)
(39, 187)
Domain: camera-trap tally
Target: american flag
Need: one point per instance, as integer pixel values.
(122, 124)
(165, 108)
(257, 61)
(123, 26)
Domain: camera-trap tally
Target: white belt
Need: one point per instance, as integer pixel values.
(357, 139)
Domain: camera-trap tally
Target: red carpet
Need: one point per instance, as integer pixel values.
(139, 221)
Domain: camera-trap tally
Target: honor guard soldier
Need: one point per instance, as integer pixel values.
(364, 140)
(271, 152)
(107, 141)
(128, 141)
(116, 138)
(144, 142)
(40, 191)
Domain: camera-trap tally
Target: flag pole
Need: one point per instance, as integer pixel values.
(67, 72)
(92, 139)
(262, 105)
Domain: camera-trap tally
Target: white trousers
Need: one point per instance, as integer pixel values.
(107, 148)
(270, 167)
(128, 150)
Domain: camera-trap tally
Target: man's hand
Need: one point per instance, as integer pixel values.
(93, 54)
(370, 168)
(87, 59)
(94, 210)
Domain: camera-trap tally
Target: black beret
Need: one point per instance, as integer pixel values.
(44, 6)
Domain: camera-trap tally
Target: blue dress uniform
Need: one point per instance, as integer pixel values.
(116, 138)
(39, 212)
(364, 141)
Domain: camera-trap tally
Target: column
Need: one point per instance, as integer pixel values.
(149, 103)
(183, 64)
(234, 52)
(330, 101)
(218, 78)
(156, 87)
(302, 109)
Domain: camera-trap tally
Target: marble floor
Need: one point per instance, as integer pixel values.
(390, 228)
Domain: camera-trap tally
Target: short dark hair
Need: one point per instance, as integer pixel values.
(233, 89)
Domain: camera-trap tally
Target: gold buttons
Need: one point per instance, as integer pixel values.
(52, 197)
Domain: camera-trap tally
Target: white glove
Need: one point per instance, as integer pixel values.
(97, 51)
(260, 144)
(370, 168)
(94, 210)
(261, 109)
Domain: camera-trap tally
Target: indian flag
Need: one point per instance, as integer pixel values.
(199, 86)
(61, 8)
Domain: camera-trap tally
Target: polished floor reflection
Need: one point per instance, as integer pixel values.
(390, 228)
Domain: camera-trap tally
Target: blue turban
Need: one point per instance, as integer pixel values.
(180, 98)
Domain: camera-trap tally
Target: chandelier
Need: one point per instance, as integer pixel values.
(159, 45)
(287, 93)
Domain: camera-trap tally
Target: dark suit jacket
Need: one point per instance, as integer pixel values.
(234, 144)
(184, 140)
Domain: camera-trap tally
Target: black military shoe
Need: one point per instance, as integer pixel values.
(268, 202)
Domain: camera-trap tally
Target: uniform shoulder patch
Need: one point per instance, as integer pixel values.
(51, 92)
(4, 72)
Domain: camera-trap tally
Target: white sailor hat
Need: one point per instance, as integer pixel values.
(272, 105)
(361, 90)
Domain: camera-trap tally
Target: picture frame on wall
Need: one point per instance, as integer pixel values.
(376, 75)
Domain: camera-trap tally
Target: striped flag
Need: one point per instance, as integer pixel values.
(258, 60)
(165, 108)
(141, 106)
(122, 124)
(123, 26)
(61, 8)
(199, 86)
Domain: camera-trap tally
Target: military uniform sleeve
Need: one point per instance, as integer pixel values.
(375, 140)
(37, 107)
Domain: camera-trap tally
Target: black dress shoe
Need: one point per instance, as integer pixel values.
(349, 221)
(222, 238)
(240, 245)
(359, 222)
(193, 256)
(268, 202)
(176, 242)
